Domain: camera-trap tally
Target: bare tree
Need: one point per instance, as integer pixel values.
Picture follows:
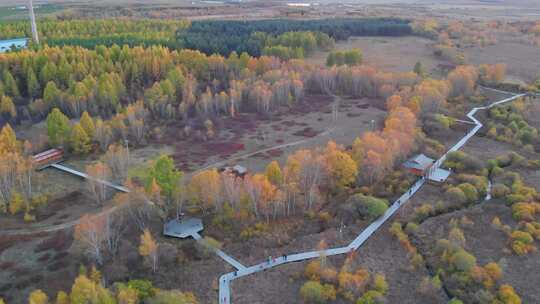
(137, 205)
(98, 174)
(103, 134)
(232, 189)
(114, 229)
(8, 176)
(90, 233)
(117, 159)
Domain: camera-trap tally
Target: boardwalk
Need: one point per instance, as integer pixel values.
(86, 176)
(225, 280)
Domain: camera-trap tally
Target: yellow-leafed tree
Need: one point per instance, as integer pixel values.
(80, 142)
(8, 140)
(87, 123)
(148, 248)
(38, 297)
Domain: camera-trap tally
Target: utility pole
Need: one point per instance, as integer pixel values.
(33, 22)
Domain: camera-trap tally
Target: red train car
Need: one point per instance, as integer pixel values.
(45, 158)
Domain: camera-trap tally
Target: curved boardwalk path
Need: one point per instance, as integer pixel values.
(225, 280)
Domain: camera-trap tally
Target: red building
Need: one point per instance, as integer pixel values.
(419, 165)
(45, 158)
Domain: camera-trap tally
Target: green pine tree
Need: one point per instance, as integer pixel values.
(32, 84)
(10, 85)
(87, 123)
(57, 127)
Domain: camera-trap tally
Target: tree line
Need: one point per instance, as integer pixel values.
(224, 37)
(91, 33)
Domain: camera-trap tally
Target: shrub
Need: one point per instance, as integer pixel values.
(172, 296)
(522, 242)
(29, 217)
(368, 206)
(534, 229)
(316, 293)
(463, 261)
(371, 297)
(313, 271)
(456, 237)
(525, 211)
(499, 190)
(17, 203)
(380, 284)
(494, 271)
(455, 301)
(423, 211)
(462, 162)
(508, 295)
(444, 121)
(144, 288)
(254, 231)
(455, 194)
(429, 285)
(470, 192)
(411, 228)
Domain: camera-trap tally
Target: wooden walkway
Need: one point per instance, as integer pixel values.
(86, 176)
(225, 280)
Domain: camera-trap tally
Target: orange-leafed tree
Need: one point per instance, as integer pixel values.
(463, 81)
(393, 102)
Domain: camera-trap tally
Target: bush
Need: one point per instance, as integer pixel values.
(462, 162)
(172, 297)
(470, 192)
(371, 297)
(411, 228)
(430, 285)
(316, 293)
(17, 203)
(525, 211)
(463, 261)
(368, 206)
(499, 190)
(455, 194)
(522, 242)
(423, 211)
(508, 295)
(254, 231)
(313, 271)
(444, 121)
(380, 284)
(144, 288)
(29, 217)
